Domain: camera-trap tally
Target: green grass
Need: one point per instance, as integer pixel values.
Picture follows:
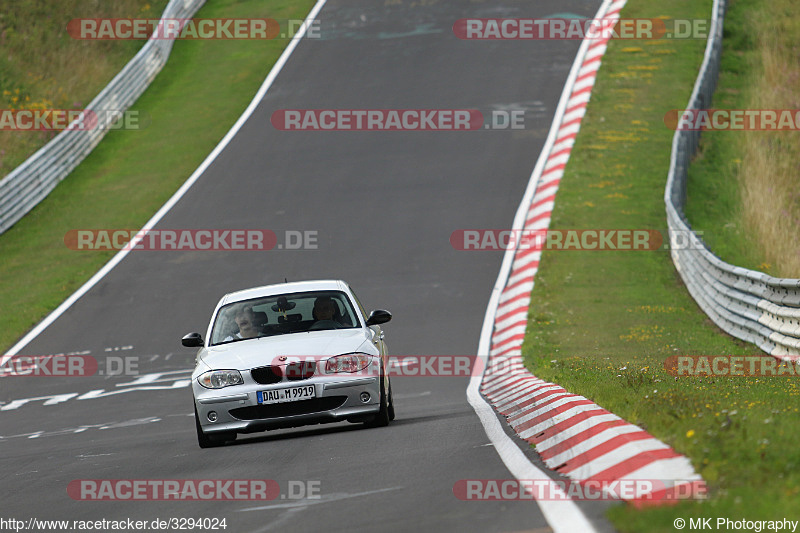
(713, 205)
(610, 319)
(193, 102)
(743, 186)
(42, 67)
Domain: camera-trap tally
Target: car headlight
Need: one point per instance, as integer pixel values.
(217, 379)
(349, 362)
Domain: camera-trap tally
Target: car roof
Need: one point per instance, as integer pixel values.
(284, 288)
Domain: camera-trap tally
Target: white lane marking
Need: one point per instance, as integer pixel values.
(48, 400)
(108, 267)
(101, 393)
(413, 395)
(335, 497)
(7, 368)
(562, 515)
(156, 377)
(134, 422)
(81, 429)
(286, 518)
(144, 382)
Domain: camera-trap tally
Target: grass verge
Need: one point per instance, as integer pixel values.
(602, 324)
(744, 190)
(42, 67)
(193, 102)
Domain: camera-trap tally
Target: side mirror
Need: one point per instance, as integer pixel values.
(379, 316)
(192, 340)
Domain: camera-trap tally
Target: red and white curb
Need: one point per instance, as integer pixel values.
(574, 436)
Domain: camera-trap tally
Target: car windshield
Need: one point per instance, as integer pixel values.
(282, 314)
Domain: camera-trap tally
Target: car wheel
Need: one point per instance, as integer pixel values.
(382, 418)
(206, 441)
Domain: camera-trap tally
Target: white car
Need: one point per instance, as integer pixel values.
(289, 355)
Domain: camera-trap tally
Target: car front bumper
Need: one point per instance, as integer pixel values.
(338, 397)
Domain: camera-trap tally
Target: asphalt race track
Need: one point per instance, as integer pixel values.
(384, 205)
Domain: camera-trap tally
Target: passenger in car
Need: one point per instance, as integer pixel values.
(246, 320)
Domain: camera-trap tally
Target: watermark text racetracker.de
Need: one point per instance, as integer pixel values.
(579, 29)
(733, 119)
(357, 364)
(68, 365)
(397, 120)
(190, 239)
(191, 28)
(37, 120)
(731, 366)
(573, 239)
(587, 490)
(192, 489)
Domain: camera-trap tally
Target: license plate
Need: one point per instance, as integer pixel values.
(291, 394)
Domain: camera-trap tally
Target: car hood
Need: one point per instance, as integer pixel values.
(252, 353)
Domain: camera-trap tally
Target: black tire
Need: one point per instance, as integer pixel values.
(383, 417)
(206, 441)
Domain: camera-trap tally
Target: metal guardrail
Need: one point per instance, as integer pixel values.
(749, 305)
(32, 181)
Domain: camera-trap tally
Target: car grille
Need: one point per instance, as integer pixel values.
(277, 410)
(267, 375)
